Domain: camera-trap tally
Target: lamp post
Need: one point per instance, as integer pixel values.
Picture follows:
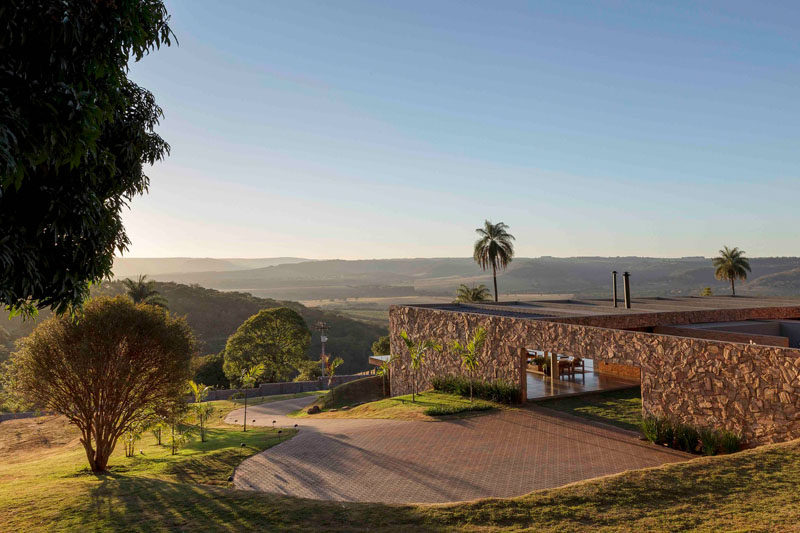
(323, 328)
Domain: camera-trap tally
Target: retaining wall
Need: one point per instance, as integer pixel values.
(289, 387)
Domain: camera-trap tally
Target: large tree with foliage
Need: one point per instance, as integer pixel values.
(111, 369)
(493, 248)
(75, 133)
(731, 265)
(278, 338)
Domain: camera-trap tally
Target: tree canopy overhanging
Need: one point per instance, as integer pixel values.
(75, 134)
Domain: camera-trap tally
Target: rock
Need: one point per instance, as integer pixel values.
(314, 409)
(346, 408)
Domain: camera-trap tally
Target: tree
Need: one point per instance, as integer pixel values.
(308, 370)
(469, 354)
(116, 367)
(383, 371)
(493, 248)
(332, 365)
(417, 352)
(466, 293)
(202, 411)
(381, 346)
(248, 380)
(278, 338)
(75, 134)
(208, 369)
(142, 291)
(731, 265)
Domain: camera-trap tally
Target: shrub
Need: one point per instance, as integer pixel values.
(686, 438)
(442, 410)
(707, 441)
(499, 391)
(729, 441)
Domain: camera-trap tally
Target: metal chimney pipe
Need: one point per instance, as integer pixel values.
(614, 286)
(626, 287)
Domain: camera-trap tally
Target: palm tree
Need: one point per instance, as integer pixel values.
(248, 379)
(469, 354)
(417, 350)
(493, 248)
(142, 291)
(731, 265)
(202, 411)
(472, 294)
(332, 366)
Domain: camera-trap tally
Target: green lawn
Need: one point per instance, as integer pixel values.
(622, 408)
(426, 406)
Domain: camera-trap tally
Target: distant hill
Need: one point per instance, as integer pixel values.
(215, 315)
(129, 267)
(582, 276)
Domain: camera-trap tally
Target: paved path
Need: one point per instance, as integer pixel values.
(503, 454)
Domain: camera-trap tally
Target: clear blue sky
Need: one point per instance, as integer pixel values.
(392, 129)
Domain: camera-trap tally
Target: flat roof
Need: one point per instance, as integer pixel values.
(577, 307)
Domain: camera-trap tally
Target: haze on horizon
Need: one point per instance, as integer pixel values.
(377, 130)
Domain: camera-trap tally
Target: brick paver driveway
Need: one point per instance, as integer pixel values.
(503, 454)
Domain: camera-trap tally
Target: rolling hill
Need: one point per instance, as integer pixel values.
(581, 276)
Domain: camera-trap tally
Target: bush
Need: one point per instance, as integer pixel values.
(684, 437)
(709, 441)
(442, 410)
(499, 391)
(729, 441)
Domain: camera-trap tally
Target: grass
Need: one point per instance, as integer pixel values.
(621, 408)
(755, 490)
(428, 406)
(43, 468)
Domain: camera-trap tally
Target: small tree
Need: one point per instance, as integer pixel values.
(202, 411)
(417, 351)
(465, 293)
(384, 370)
(143, 291)
(469, 354)
(248, 379)
(114, 368)
(381, 346)
(333, 364)
(180, 429)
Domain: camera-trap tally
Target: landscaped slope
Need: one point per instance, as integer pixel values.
(755, 490)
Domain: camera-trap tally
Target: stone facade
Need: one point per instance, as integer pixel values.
(748, 388)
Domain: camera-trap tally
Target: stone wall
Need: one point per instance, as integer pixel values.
(288, 387)
(623, 371)
(751, 389)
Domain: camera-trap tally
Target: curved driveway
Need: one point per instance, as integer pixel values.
(503, 454)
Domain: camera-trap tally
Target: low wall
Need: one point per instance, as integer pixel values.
(288, 387)
(747, 388)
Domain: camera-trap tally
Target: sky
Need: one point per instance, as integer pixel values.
(375, 129)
